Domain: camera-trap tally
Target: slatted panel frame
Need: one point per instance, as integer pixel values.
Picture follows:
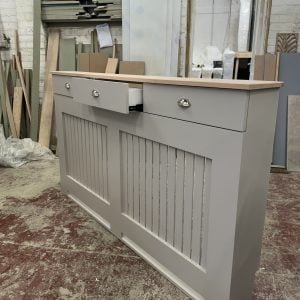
(166, 190)
(86, 153)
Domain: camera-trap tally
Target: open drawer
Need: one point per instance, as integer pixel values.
(109, 95)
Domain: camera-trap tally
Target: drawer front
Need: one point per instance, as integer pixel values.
(63, 85)
(215, 107)
(103, 94)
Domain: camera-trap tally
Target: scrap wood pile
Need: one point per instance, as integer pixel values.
(54, 10)
(15, 95)
(21, 114)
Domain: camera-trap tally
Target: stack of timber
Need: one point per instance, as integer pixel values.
(81, 10)
(15, 96)
(60, 10)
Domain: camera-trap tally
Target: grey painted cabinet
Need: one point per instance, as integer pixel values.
(183, 183)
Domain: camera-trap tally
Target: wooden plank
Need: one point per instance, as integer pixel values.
(28, 82)
(7, 101)
(247, 85)
(35, 86)
(259, 66)
(67, 56)
(132, 67)
(293, 134)
(20, 72)
(47, 107)
(98, 62)
(112, 66)
(3, 110)
(17, 109)
(112, 63)
(79, 51)
(84, 62)
(270, 67)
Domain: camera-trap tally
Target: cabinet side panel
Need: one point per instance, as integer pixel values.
(254, 180)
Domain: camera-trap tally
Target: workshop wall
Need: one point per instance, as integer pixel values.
(285, 17)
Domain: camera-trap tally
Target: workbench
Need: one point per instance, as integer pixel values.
(176, 168)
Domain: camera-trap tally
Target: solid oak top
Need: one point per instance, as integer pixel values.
(198, 82)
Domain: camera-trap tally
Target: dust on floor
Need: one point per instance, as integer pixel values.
(51, 249)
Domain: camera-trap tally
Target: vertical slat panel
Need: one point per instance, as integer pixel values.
(100, 160)
(136, 178)
(130, 175)
(69, 159)
(188, 202)
(149, 179)
(124, 154)
(83, 157)
(197, 208)
(75, 146)
(87, 154)
(163, 192)
(142, 178)
(79, 145)
(92, 160)
(171, 194)
(205, 203)
(179, 199)
(104, 162)
(96, 159)
(155, 187)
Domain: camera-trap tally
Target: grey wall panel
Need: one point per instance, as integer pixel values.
(289, 73)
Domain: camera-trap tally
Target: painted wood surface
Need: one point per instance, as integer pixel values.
(213, 83)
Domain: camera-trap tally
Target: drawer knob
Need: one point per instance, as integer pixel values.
(184, 103)
(67, 85)
(95, 94)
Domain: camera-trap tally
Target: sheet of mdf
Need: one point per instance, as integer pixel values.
(289, 73)
(293, 138)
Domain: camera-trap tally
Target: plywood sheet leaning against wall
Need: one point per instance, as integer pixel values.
(293, 138)
(47, 105)
(289, 73)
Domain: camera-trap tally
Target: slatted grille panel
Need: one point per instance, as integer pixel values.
(166, 190)
(86, 147)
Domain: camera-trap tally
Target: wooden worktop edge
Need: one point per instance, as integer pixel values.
(197, 82)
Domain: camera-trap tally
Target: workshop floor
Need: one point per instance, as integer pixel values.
(51, 249)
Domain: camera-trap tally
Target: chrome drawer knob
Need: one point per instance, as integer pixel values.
(184, 103)
(95, 94)
(67, 85)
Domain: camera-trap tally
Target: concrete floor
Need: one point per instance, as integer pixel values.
(51, 249)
